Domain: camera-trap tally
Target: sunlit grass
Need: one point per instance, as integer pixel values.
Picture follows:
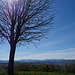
(36, 73)
(41, 73)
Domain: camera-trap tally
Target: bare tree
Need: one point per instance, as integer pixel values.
(22, 22)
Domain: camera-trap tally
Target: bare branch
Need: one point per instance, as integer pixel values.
(25, 20)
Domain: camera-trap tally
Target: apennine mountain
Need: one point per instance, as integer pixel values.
(47, 61)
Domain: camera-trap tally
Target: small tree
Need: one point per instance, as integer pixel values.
(22, 22)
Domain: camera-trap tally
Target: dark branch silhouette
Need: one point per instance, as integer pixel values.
(24, 21)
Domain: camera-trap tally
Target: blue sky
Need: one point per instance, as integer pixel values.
(60, 42)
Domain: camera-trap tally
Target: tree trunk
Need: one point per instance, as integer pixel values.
(11, 60)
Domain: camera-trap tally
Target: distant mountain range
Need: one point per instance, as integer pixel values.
(3, 61)
(47, 61)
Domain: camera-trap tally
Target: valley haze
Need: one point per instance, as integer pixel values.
(46, 61)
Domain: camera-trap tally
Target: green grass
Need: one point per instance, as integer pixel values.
(41, 73)
(36, 73)
(3, 72)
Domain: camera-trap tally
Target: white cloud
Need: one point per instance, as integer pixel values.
(22, 53)
(51, 43)
(58, 54)
(68, 26)
(65, 50)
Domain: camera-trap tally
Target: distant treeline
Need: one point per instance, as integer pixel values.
(67, 68)
(45, 67)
